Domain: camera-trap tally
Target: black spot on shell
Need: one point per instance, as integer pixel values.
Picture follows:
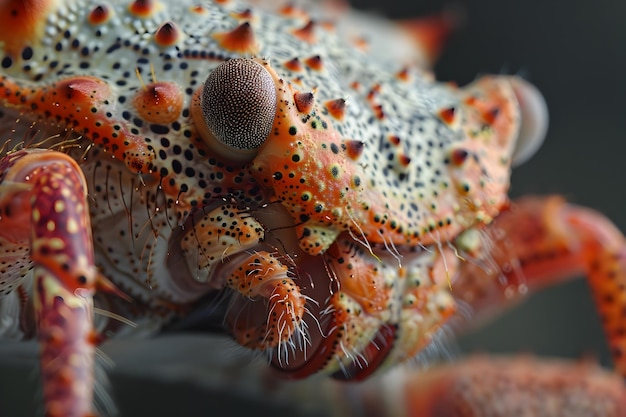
(177, 166)
(159, 129)
(27, 53)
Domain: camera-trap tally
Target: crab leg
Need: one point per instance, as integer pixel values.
(538, 242)
(498, 387)
(43, 202)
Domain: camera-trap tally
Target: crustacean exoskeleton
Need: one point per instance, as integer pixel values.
(345, 203)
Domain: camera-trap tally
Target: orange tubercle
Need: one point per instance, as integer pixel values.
(241, 39)
(290, 10)
(22, 23)
(378, 111)
(99, 14)
(354, 148)
(167, 34)
(361, 43)
(395, 140)
(404, 160)
(328, 25)
(404, 74)
(431, 32)
(304, 101)
(198, 9)
(459, 156)
(294, 65)
(246, 15)
(491, 115)
(159, 102)
(336, 108)
(373, 92)
(144, 8)
(315, 63)
(447, 115)
(306, 33)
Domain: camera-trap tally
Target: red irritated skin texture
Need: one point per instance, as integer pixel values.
(345, 202)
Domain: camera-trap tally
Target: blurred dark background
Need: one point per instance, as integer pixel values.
(574, 52)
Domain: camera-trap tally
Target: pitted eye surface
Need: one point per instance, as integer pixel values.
(238, 105)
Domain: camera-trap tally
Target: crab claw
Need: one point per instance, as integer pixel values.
(43, 205)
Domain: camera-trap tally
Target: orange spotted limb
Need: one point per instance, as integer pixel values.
(539, 242)
(263, 276)
(44, 208)
(84, 104)
(227, 232)
(502, 387)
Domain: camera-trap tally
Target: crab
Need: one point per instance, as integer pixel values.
(344, 206)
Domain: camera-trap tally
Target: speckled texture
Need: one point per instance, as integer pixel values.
(186, 193)
(337, 157)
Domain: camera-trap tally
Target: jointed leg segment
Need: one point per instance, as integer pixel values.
(47, 192)
(540, 241)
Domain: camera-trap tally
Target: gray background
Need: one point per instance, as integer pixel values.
(573, 51)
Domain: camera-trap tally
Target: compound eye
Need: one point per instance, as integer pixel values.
(534, 113)
(238, 105)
